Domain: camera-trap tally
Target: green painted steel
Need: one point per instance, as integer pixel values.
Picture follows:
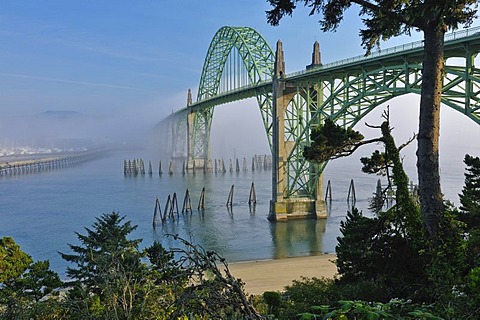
(345, 91)
(237, 57)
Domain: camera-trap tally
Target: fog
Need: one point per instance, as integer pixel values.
(71, 130)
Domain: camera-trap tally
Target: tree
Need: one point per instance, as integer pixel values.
(384, 19)
(470, 196)
(213, 292)
(25, 286)
(394, 237)
(13, 261)
(109, 274)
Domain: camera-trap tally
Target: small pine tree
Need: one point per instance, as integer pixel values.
(470, 196)
(109, 266)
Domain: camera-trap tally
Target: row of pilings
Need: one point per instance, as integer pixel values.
(41, 165)
(138, 167)
(171, 211)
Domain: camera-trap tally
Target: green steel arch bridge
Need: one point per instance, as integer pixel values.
(240, 64)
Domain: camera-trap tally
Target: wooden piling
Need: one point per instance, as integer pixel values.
(224, 170)
(157, 212)
(167, 210)
(150, 170)
(230, 197)
(174, 207)
(351, 193)
(252, 199)
(170, 167)
(187, 205)
(201, 201)
(237, 166)
(142, 167)
(328, 193)
(160, 168)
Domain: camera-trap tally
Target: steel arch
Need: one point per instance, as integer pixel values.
(258, 59)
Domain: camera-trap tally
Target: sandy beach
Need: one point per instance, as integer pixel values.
(274, 275)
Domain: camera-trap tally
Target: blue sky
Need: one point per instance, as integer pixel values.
(99, 57)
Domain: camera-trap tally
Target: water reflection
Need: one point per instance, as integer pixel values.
(297, 237)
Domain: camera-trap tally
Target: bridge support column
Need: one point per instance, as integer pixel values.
(194, 136)
(284, 206)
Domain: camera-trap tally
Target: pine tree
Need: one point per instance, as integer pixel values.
(470, 196)
(108, 265)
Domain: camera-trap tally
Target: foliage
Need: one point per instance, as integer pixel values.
(383, 19)
(213, 292)
(112, 280)
(27, 289)
(331, 141)
(361, 310)
(274, 300)
(470, 196)
(367, 241)
(13, 261)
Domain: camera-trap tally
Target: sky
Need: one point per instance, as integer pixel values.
(132, 62)
(104, 57)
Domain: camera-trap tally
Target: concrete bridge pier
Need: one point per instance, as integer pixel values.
(195, 163)
(284, 206)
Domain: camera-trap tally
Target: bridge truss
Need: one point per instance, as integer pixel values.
(240, 64)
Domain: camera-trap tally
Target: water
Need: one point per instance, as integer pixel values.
(43, 211)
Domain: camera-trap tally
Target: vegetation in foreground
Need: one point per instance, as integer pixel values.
(387, 270)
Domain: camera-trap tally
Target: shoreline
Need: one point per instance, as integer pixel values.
(274, 274)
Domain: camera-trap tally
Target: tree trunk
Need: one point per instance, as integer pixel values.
(431, 197)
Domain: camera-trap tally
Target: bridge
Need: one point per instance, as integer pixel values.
(240, 64)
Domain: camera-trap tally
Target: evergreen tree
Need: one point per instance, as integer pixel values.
(27, 289)
(470, 196)
(109, 266)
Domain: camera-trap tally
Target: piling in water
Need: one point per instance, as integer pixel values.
(187, 205)
(166, 211)
(230, 197)
(252, 199)
(174, 207)
(201, 201)
(328, 193)
(351, 193)
(157, 213)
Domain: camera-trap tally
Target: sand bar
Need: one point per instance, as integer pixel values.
(274, 275)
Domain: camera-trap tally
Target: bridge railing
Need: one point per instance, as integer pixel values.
(408, 46)
(236, 90)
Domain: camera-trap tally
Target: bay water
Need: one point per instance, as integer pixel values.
(42, 211)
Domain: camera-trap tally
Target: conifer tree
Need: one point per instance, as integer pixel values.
(470, 196)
